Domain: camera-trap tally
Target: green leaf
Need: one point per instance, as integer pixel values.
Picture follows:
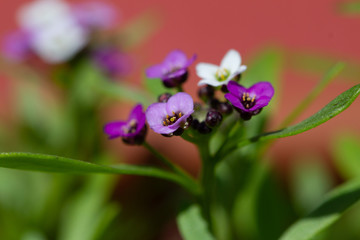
(192, 226)
(49, 163)
(330, 210)
(350, 8)
(272, 202)
(346, 151)
(336, 106)
(84, 213)
(156, 87)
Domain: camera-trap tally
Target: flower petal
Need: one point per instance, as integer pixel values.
(180, 102)
(236, 89)
(156, 71)
(176, 58)
(114, 129)
(155, 114)
(206, 71)
(231, 61)
(190, 61)
(261, 89)
(235, 101)
(211, 82)
(260, 103)
(138, 115)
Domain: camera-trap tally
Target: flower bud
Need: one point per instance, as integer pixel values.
(164, 97)
(203, 128)
(213, 118)
(206, 93)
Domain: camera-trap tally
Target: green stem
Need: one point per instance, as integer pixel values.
(207, 182)
(175, 168)
(180, 89)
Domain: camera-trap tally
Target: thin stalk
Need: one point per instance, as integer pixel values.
(207, 183)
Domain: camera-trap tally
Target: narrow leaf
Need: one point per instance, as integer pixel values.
(56, 164)
(350, 8)
(192, 226)
(330, 210)
(336, 106)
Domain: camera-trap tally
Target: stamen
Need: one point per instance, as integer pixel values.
(180, 114)
(164, 123)
(243, 98)
(253, 99)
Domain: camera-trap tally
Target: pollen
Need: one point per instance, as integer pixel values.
(169, 120)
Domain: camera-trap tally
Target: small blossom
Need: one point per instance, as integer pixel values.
(112, 61)
(230, 67)
(94, 14)
(166, 118)
(173, 70)
(132, 131)
(16, 46)
(249, 101)
(60, 42)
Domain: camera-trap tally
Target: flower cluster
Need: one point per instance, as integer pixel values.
(56, 31)
(172, 114)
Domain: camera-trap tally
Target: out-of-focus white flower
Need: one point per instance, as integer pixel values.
(40, 14)
(214, 75)
(59, 42)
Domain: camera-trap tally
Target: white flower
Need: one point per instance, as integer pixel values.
(59, 42)
(214, 75)
(43, 14)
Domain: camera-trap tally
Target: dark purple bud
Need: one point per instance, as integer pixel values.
(203, 128)
(225, 108)
(214, 103)
(137, 139)
(224, 89)
(175, 80)
(195, 124)
(206, 93)
(213, 118)
(178, 132)
(164, 97)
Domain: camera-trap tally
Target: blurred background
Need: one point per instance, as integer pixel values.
(304, 37)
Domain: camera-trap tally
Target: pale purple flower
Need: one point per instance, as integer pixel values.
(214, 75)
(173, 70)
(16, 45)
(166, 118)
(95, 14)
(112, 61)
(132, 131)
(249, 101)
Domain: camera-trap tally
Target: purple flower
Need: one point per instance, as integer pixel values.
(249, 101)
(16, 45)
(166, 118)
(94, 14)
(173, 70)
(132, 131)
(112, 61)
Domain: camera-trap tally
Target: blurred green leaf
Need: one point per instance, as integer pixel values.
(335, 107)
(310, 180)
(350, 8)
(192, 226)
(329, 76)
(88, 211)
(330, 210)
(156, 87)
(273, 210)
(317, 63)
(49, 163)
(346, 149)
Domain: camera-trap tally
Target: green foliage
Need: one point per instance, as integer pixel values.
(346, 149)
(192, 226)
(49, 163)
(350, 8)
(336, 106)
(330, 210)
